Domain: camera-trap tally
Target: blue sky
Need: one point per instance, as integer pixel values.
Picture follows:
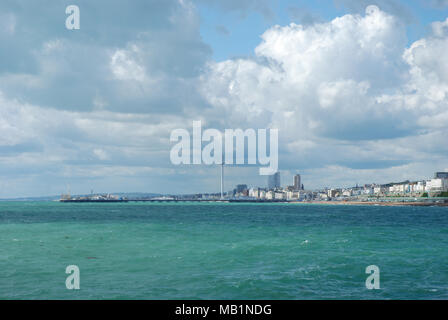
(243, 27)
(357, 89)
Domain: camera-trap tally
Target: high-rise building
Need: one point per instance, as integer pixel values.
(441, 175)
(297, 182)
(241, 188)
(274, 180)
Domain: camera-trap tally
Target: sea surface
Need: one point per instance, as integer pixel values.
(221, 251)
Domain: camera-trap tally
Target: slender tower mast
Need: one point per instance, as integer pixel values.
(222, 178)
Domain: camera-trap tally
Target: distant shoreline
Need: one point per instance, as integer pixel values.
(379, 203)
(319, 202)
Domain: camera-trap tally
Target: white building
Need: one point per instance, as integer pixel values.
(437, 185)
(295, 195)
(397, 188)
(420, 186)
(380, 190)
(254, 192)
(280, 196)
(270, 195)
(332, 193)
(323, 196)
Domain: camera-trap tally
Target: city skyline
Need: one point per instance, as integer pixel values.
(94, 107)
(273, 183)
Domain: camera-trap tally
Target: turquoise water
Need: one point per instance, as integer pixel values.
(222, 251)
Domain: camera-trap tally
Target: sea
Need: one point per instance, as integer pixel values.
(222, 251)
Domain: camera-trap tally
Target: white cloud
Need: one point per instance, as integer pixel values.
(125, 67)
(429, 67)
(349, 97)
(305, 70)
(347, 93)
(67, 145)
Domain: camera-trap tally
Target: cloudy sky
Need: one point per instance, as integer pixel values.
(357, 89)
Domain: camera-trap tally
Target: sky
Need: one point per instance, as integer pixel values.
(357, 89)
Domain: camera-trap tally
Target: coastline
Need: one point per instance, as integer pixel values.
(379, 203)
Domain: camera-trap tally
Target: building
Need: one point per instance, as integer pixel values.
(270, 195)
(420, 186)
(368, 189)
(332, 193)
(274, 181)
(257, 193)
(280, 196)
(254, 192)
(398, 188)
(290, 195)
(297, 182)
(437, 185)
(441, 175)
(241, 188)
(294, 195)
(380, 190)
(323, 196)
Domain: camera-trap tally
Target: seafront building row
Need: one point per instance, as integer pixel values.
(437, 186)
(432, 188)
